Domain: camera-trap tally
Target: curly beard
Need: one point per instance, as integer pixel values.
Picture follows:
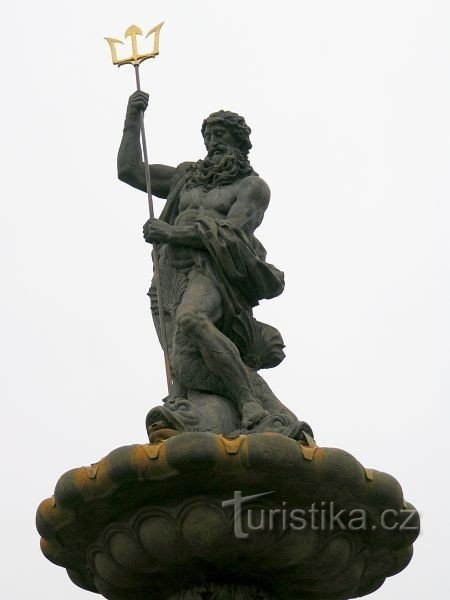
(210, 173)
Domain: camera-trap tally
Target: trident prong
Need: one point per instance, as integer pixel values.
(135, 59)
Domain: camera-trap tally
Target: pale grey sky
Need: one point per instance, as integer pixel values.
(349, 106)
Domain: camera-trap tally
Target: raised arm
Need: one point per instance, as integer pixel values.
(130, 168)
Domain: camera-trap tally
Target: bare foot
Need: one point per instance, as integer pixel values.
(252, 413)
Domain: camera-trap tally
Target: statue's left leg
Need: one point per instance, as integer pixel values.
(200, 309)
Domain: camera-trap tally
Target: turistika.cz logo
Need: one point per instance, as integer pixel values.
(319, 516)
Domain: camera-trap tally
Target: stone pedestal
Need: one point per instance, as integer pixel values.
(200, 516)
(216, 591)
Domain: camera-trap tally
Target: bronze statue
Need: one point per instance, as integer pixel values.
(213, 269)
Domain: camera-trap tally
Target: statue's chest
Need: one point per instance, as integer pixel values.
(218, 200)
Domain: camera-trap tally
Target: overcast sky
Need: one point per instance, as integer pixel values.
(349, 106)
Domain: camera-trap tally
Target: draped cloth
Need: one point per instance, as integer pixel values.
(243, 277)
(234, 261)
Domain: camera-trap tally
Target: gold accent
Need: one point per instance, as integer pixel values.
(232, 445)
(135, 59)
(92, 470)
(153, 450)
(369, 474)
(311, 441)
(307, 451)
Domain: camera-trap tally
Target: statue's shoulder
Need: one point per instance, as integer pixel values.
(184, 167)
(255, 187)
(179, 175)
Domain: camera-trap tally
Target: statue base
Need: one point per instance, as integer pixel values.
(215, 591)
(200, 516)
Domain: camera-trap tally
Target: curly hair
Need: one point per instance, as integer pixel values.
(235, 124)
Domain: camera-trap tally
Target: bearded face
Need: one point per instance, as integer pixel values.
(223, 164)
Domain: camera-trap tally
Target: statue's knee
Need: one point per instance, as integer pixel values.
(189, 321)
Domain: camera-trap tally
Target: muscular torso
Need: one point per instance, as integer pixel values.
(196, 203)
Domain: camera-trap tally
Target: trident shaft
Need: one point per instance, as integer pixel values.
(136, 59)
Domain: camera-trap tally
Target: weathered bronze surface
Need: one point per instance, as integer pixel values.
(159, 521)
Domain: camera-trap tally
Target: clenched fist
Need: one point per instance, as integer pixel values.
(137, 102)
(156, 231)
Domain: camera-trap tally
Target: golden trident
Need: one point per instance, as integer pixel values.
(136, 59)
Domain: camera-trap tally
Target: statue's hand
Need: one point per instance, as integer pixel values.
(138, 101)
(157, 231)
